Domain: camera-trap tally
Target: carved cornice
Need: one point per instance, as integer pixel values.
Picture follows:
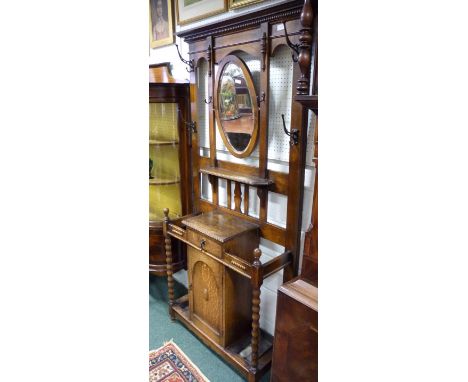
(278, 13)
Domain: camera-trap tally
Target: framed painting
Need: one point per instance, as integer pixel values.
(233, 4)
(160, 23)
(193, 10)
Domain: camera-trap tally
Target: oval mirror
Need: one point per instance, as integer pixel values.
(236, 106)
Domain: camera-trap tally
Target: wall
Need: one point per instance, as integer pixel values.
(278, 152)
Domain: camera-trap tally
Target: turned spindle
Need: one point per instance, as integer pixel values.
(305, 45)
(257, 280)
(169, 271)
(229, 194)
(237, 197)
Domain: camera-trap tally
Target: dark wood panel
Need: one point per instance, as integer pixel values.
(295, 346)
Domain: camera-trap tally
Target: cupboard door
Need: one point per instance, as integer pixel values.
(205, 293)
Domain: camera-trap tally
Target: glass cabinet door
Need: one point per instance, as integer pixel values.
(164, 166)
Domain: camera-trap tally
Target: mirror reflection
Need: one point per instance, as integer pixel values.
(235, 107)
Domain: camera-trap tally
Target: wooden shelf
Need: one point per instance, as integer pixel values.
(251, 180)
(163, 182)
(156, 142)
(309, 101)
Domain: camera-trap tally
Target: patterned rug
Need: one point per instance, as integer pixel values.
(170, 364)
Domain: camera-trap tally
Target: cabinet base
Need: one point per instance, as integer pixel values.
(180, 310)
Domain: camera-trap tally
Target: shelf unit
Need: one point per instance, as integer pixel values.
(169, 150)
(251, 180)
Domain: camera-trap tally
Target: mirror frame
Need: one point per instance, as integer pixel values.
(253, 95)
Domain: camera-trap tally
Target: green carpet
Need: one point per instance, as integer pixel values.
(163, 329)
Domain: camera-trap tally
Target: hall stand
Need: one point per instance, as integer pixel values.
(295, 349)
(225, 273)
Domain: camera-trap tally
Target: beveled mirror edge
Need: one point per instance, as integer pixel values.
(253, 95)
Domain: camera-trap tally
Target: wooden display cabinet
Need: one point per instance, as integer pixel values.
(169, 153)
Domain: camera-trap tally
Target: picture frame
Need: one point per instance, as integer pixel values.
(189, 11)
(234, 4)
(161, 28)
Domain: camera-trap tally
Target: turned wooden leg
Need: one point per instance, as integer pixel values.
(168, 248)
(257, 281)
(255, 325)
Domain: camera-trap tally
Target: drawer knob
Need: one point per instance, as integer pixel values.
(202, 243)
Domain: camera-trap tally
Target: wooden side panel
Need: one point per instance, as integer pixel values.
(295, 345)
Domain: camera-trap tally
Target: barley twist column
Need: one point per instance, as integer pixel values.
(168, 248)
(257, 280)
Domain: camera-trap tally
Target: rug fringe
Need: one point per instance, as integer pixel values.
(180, 353)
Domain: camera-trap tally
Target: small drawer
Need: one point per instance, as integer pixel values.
(176, 230)
(201, 241)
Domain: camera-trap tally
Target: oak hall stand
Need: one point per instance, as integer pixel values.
(225, 273)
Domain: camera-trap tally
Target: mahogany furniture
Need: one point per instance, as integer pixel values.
(296, 333)
(225, 272)
(169, 151)
(295, 350)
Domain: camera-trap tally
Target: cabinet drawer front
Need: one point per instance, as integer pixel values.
(201, 241)
(205, 293)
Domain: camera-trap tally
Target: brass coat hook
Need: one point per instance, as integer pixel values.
(294, 47)
(187, 62)
(293, 134)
